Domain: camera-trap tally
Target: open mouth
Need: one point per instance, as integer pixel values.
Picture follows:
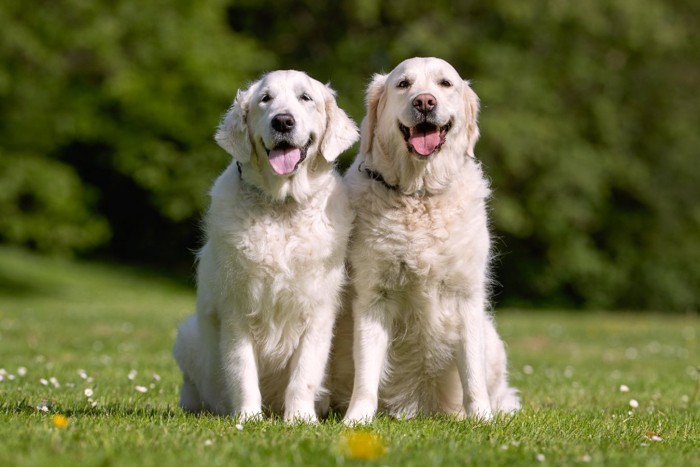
(425, 138)
(285, 158)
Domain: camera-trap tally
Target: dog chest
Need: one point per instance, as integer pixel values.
(424, 243)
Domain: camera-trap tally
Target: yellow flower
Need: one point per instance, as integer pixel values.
(60, 421)
(362, 445)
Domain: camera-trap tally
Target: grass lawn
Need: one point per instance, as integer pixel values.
(86, 378)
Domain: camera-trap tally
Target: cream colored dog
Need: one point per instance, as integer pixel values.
(423, 342)
(270, 273)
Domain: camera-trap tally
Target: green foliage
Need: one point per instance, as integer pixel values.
(111, 329)
(126, 94)
(589, 124)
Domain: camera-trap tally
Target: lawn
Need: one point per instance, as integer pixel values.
(86, 378)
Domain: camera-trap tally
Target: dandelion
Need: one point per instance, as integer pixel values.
(624, 388)
(88, 392)
(59, 421)
(141, 389)
(539, 457)
(22, 371)
(132, 375)
(362, 445)
(634, 404)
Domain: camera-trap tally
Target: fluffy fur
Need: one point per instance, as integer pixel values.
(272, 267)
(419, 334)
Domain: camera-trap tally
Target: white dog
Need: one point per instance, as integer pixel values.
(423, 342)
(270, 273)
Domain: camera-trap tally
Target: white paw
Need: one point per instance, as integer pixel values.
(303, 416)
(481, 411)
(359, 414)
(249, 415)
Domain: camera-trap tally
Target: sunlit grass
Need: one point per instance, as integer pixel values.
(86, 378)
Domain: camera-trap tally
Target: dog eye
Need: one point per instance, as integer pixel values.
(265, 98)
(404, 83)
(445, 83)
(305, 97)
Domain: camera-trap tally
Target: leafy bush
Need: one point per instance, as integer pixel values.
(589, 123)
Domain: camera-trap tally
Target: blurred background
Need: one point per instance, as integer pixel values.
(590, 126)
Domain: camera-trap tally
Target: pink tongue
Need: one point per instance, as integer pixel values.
(284, 161)
(424, 143)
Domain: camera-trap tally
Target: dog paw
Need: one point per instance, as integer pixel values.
(249, 415)
(359, 415)
(300, 417)
(480, 411)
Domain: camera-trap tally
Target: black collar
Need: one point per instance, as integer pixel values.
(376, 176)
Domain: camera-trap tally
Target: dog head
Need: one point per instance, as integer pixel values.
(417, 112)
(282, 122)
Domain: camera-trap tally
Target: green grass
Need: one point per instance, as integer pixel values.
(59, 319)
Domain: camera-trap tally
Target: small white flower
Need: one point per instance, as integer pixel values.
(88, 392)
(624, 388)
(656, 438)
(44, 382)
(22, 371)
(528, 370)
(586, 458)
(239, 427)
(132, 375)
(156, 376)
(539, 457)
(633, 403)
(83, 374)
(43, 406)
(3, 372)
(93, 403)
(141, 388)
(208, 442)
(54, 382)
(2, 378)
(11, 377)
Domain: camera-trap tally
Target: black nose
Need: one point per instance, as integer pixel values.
(424, 103)
(283, 123)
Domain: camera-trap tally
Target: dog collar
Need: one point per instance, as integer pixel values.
(376, 176)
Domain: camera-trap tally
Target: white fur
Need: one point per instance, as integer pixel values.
(421, 338)
(270, 273)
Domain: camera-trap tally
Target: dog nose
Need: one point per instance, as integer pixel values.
(283, 123)
(424, 103)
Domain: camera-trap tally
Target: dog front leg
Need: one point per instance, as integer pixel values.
(240, 371)
(370, 344)
(308, 368)
(471, 358)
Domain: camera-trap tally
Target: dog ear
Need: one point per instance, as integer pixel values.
(232, 134)
(374, 94)
(341, 132)
(471, 102)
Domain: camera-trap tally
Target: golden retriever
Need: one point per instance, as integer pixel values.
(270, 273)
(420, 337)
